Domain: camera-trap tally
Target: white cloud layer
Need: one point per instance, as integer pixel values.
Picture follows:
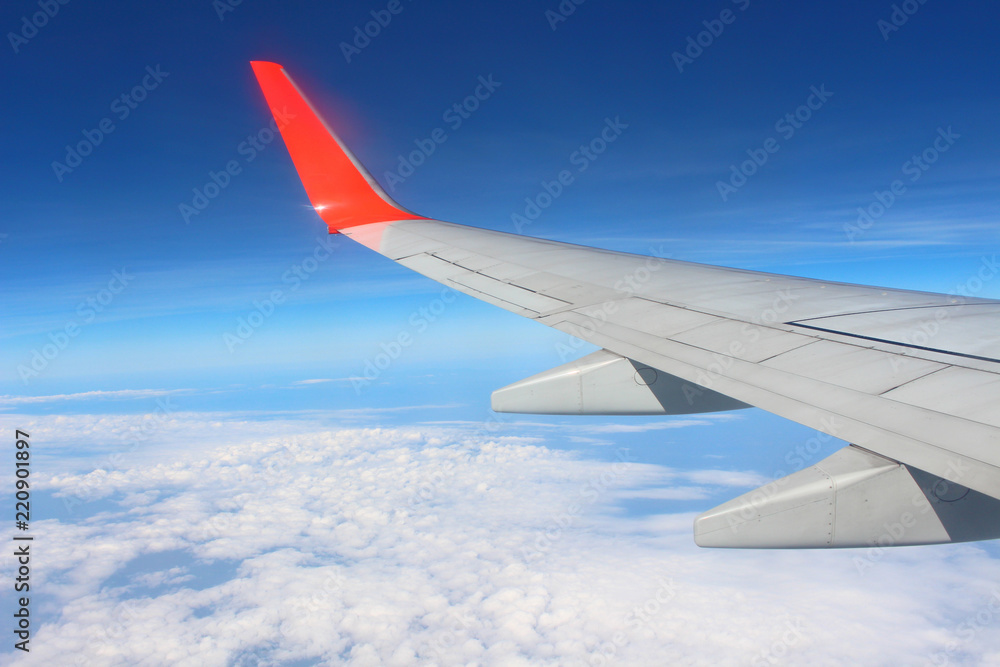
(130, 394)
(286, 544)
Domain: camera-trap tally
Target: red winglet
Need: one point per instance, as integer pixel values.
(341, 190)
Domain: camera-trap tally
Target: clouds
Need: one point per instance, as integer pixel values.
(289, 541)
(128, 394)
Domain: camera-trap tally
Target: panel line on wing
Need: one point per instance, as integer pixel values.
(921, 377)
(953, 304)
(896, 342)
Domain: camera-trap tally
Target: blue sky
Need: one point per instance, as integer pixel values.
(655, 188)
(164, 291)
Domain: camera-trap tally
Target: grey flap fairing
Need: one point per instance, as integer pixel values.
(605, 383)
(854, 498)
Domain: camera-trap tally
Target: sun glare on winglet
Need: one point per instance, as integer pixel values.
(328, 170)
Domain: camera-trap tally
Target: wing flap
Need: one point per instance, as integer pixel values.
(742, 340)
(963, 392)
(860, 368)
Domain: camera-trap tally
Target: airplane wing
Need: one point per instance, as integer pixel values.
(909, 378)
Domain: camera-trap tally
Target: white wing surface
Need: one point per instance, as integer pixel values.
(910, 378)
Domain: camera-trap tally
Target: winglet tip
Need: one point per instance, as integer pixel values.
(263, 69)
(341, 190)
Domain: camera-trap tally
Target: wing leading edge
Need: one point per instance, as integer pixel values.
(884, 369)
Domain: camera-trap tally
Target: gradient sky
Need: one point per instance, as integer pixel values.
(654, 189)
(189, 282)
